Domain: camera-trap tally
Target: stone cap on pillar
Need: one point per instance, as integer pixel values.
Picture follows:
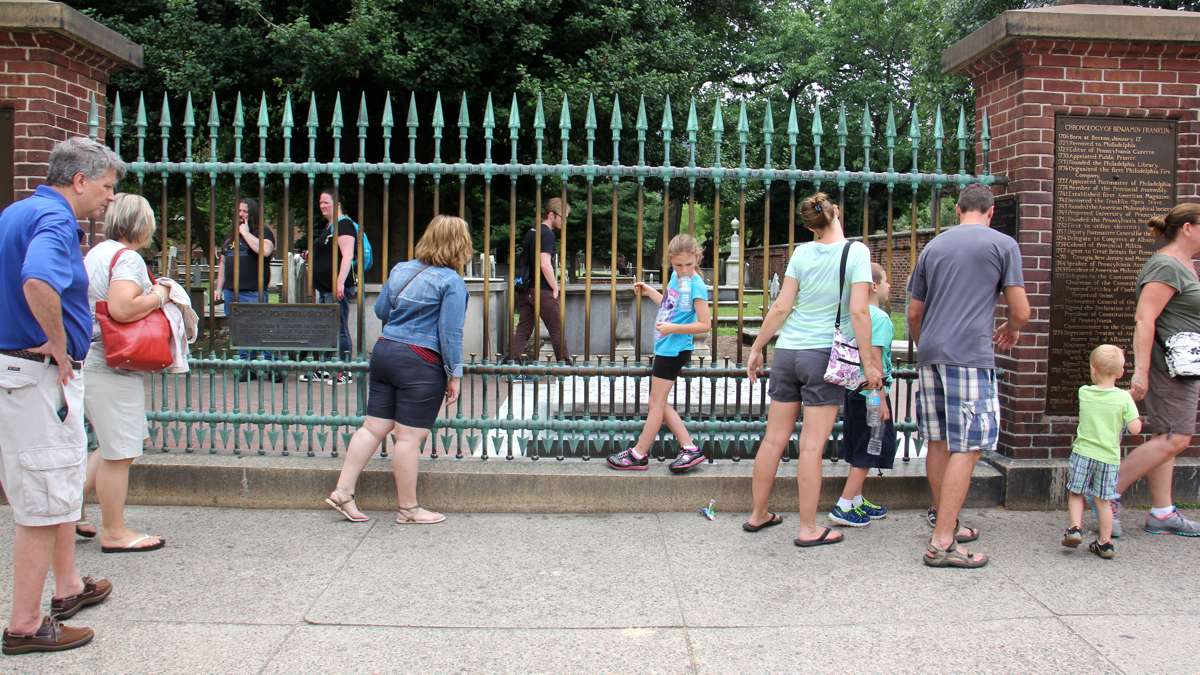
(1073, 22)
(58, 18)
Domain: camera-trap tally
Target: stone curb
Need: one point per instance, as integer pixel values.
(519, 486)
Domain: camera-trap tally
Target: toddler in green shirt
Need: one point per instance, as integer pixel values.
(1105, 412)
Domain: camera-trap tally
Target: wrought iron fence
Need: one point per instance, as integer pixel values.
(209, 410)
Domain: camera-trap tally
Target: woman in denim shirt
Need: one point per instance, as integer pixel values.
(415, 365)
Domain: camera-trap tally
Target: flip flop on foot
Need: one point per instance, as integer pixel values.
(963, 534)
(340, 505)
(823, 540)
(85, 529)
(415, 515)
(774, 519)
(966, 534)
(133, 546)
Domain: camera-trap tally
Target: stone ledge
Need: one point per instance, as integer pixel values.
(1073, 22)
(1040, 484)
(57, 17)
(518, 486)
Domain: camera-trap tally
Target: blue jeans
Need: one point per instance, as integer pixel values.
(244, 296)
(345, 346)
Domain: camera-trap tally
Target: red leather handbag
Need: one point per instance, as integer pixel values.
(142, 345)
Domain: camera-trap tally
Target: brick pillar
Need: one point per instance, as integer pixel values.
(47, 76)
(1122, 62)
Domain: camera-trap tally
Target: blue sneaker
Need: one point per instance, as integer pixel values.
(873, 511)
(851, 518)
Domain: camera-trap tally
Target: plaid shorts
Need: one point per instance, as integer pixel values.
(1087, 476)
(958, 405)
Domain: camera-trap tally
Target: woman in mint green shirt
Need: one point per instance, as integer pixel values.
(804, 316)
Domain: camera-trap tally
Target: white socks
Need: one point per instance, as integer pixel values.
(1163, 511)
(844, 504)
(857, 501)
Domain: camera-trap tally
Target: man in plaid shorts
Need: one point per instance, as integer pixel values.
(952, 301)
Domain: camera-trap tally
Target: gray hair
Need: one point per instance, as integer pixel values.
(129, 219)
(81, 155)
(976, 198)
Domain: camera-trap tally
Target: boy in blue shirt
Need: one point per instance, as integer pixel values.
(852, 508)
(683, 312)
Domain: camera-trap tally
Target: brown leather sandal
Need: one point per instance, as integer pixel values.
(953, 556)
(340, 507)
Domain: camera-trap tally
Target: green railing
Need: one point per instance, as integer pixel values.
(649, 166)
(504, 411)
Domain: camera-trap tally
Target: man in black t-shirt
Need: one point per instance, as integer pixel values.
(556, 215)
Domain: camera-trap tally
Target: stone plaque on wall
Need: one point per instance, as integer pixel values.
(1111, 174)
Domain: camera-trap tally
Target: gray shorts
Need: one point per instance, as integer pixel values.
(798, 375)
(1171, 404)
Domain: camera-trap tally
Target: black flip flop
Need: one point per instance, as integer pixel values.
(85, 535)
(972, 533)
(775, 519)
(822, 540)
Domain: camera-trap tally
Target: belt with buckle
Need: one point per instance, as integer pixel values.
(40, 358)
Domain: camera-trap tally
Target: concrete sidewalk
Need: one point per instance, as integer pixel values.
(303, 591)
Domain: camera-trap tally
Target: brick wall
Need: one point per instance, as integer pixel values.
(1021, 87)
(878, 243)
(46, 80)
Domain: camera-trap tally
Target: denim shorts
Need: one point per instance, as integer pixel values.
(798, 375)
(958, 405)
(404, 387)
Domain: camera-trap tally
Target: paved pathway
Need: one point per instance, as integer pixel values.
(300, 591)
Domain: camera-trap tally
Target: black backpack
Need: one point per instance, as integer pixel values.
(523, 270)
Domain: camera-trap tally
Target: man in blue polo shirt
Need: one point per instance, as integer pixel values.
(45, 328)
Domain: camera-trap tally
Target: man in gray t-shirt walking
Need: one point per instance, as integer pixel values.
(952, 304)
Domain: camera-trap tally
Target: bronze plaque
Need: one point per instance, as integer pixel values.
(1111, 174)
(1006, 216)
(283, 327)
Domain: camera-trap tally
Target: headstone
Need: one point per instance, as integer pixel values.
(733, 264)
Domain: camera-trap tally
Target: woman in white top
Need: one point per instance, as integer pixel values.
(115, 400)
(804, 315)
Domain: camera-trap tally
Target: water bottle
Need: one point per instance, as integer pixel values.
(875, 421)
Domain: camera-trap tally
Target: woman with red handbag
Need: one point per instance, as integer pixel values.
(114, 398)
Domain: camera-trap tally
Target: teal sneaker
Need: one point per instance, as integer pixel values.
(851, 518)
(873, 511)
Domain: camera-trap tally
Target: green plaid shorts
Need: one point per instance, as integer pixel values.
(1087, 476)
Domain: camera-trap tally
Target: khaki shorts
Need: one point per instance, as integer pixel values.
(42, 458)
(1171, 404)
(116, 406)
